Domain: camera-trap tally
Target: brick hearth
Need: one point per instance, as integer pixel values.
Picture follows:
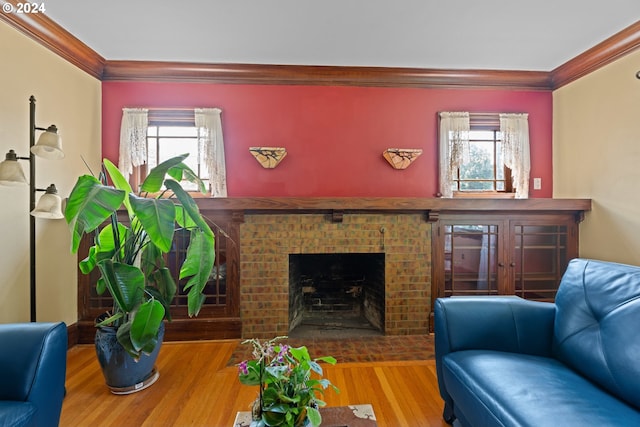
(268, 239)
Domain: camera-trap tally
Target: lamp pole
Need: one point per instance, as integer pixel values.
(48, 146)
(32, 206)
(32, 202)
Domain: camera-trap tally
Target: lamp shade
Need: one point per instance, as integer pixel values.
(49, 145)
(11, 172)
(50, 205)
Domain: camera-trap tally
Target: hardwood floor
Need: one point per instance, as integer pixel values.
(196, 388)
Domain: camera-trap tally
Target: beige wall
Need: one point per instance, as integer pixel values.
(71, 99)
(596, 154)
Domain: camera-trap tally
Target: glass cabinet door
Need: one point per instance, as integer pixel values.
(471, 259)
(540, 258)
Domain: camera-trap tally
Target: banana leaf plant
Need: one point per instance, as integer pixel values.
(129, 254)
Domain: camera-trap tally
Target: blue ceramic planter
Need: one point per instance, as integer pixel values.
(121, 372)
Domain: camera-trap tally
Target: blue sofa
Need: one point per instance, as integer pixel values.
(33, 362)
(505, 361)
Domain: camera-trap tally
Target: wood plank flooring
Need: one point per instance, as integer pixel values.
(196, 388)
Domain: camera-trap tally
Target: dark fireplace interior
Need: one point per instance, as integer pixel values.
(336, 295)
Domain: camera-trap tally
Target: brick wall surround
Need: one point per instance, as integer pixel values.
(268, 239)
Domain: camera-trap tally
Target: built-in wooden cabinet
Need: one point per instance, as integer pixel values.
(502, 253)
(220, 314)
(479, 247)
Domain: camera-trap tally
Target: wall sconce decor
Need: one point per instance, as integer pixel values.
(268, 157)
(49, 146)
(401, 158)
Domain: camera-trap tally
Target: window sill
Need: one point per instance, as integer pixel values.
(482, 195)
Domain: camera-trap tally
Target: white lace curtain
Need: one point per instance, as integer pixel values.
(454, 146)
(133, 139)
(515, 150)
(209, 122)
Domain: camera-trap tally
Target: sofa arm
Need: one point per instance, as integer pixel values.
(502, 323)
(33, 361)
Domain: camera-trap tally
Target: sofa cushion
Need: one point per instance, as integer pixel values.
(494, 388)
(597, 318)
(16, 414)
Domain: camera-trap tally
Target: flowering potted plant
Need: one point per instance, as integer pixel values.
(287, 390)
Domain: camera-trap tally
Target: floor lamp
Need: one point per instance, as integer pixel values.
(49, 146)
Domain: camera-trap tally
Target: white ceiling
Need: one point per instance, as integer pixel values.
(536, 35)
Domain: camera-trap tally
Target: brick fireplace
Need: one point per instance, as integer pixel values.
(268, 240)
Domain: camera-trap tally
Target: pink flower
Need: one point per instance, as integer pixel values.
(242, 368)
(283, 351)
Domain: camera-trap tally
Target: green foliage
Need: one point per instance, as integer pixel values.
(89, 205)
(477, 174)
(129, 255)
(289, 382)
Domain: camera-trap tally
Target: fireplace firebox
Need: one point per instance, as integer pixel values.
(336, 294)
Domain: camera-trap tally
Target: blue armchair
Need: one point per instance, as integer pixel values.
(33, 363)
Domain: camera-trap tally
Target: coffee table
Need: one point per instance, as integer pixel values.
(338, 416)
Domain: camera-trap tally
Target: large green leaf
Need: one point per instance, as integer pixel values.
(194, 301)
(183, 219)
(110, 239)
(89, 263)
(119, 181)
(153, 293)
(198, 264)
(124, 338)
(151, 260)
(105, 247)
(189, 205)
(165, 285)
(145, 325)
(183, 172)
(90, 204)
(157, 216)
(101, 286)
(154, 180)
(125, 283)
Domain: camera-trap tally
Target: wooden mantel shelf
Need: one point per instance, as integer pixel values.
(347, 204)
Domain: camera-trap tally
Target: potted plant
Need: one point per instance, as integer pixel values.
(132, 233)
(288, 381)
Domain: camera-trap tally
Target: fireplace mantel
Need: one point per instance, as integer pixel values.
(391, 204)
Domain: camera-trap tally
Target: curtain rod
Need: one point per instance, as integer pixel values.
(172, 108)
(176, 108)
(490, 113)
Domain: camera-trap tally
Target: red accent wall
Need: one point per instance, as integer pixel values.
(334, 136)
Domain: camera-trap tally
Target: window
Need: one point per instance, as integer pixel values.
(164, 142)
(151, 136)
(483, 169)
(484, 154)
